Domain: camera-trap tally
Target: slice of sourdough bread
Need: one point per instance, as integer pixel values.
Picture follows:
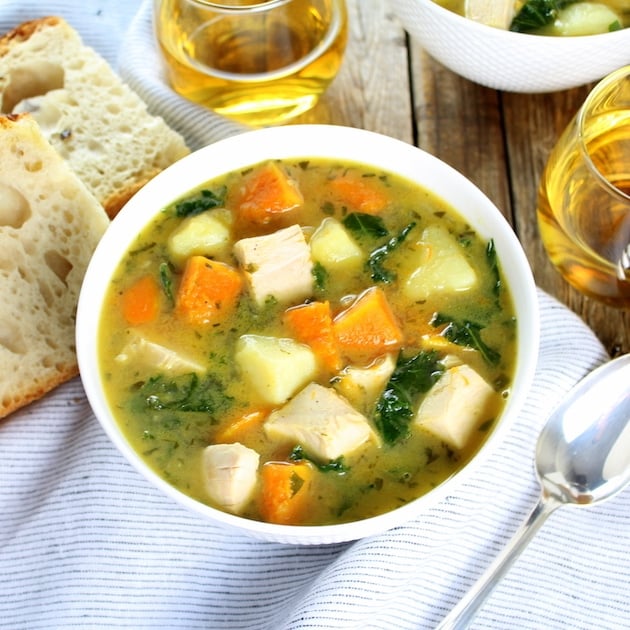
(50, 224)
(95, 121)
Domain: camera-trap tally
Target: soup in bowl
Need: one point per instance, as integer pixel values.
(307, 333)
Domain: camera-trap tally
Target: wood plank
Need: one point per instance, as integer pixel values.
(372, 89)
(460, 122)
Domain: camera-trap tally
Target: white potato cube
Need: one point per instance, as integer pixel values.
(206, 234)
(277, 265)
(441, 267)
(140, 351)
(230, 473)
(456, 405)
(334, 248)
(323, 422)
(584, 18)
(362, 386)
(275, 367)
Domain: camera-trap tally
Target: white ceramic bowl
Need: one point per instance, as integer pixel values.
(505, 60)
(291, 142)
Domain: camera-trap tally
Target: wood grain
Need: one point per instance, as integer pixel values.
(499, 140)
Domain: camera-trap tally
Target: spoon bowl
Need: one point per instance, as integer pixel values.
(582, 458)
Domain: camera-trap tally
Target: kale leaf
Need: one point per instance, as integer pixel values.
(411, 377)
(361, 224)
(378, 272)
(166, 281)
(334, 465)
(493, 262)
(205, 200)
(466, 333)
(535, 14)
(186, 393)
(320, 276)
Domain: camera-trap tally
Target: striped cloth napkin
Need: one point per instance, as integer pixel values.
(85, 542)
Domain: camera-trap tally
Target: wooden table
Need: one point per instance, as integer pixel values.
(499, 140)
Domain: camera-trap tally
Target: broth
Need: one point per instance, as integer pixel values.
(206, 393)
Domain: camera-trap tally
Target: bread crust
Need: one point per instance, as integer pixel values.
(92, 118)
(49, 226)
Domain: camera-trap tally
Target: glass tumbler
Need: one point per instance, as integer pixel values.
(258, 62)
(584, 195)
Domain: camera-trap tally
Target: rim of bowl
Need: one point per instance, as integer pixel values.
(303, 142)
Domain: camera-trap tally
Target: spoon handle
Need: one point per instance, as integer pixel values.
(463, 613)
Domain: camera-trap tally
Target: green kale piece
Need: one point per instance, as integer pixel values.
(493, 262)
(378, 272)
(205, 200)
(412, 377)
(166, 281)
(466, 333)
(320, 276)
(535, 14)
(363, 224)
(185, 393)
(334, 465)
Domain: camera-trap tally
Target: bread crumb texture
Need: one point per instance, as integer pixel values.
(49, 226)
(97, 123)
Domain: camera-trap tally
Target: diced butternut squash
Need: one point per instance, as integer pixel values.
(312, 324)
(266, 193)
(368, 327)
(275, 368)
(141, 301)
(208, 291)
(206, 234)
(440, 266)
(334, 248)
(360, 194)
(285, 492)
(277, 265)
(242, 427)
(457, 404)
(230, 474)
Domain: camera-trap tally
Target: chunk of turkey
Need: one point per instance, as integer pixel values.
(497, 13)
(277, 265)
(322, 422)
(230, 474)
(153, 355)
(456, 405)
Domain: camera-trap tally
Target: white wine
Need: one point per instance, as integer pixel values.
(584, 206)
(260, 67)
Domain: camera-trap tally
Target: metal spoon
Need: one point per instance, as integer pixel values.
(582, 457)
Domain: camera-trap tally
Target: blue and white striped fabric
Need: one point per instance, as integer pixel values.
(85, 542)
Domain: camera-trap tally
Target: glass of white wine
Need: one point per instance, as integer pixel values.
(584, 194)
(261, 62)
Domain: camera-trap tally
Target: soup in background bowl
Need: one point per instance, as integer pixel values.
(307, 333)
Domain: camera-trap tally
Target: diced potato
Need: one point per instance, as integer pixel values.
(441, 266)
(456, 405)
(230, 474)
(325, 424)
(277, 265)
(334, 248)
(275, 367)
(363, 385)
(159, 358)
(206, 234)
(497, 13)
(584, 18)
